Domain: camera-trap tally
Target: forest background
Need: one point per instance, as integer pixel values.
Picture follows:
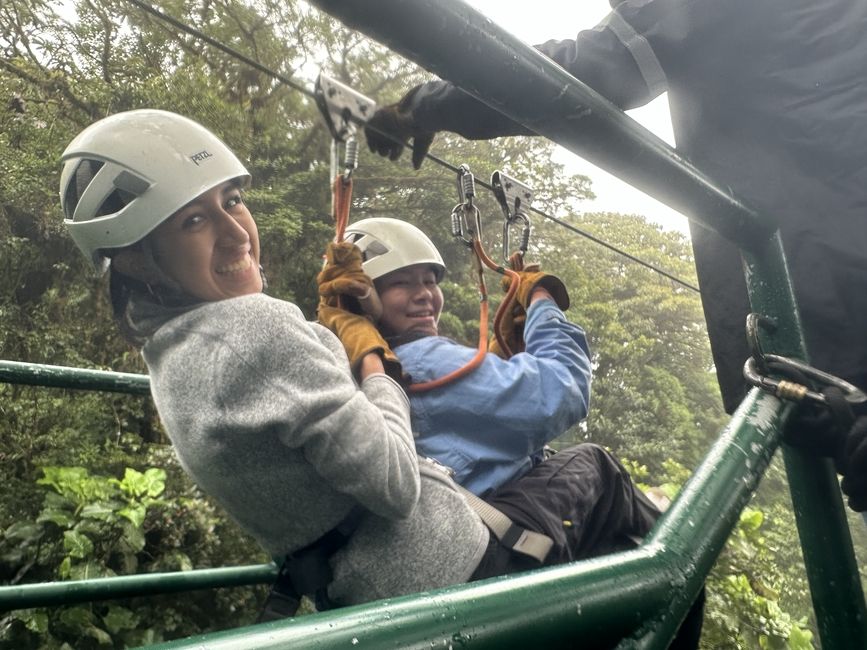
(91, 487)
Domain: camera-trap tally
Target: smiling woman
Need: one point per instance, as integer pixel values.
(261, 406)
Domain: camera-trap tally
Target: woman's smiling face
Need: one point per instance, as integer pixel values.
(210, 247)
(411, 300)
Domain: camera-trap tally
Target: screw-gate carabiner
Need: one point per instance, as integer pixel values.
(794, 390)
(466, 193)
(760, 365)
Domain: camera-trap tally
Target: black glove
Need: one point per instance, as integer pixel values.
(823, 430)
(392, 126)
(854, 484)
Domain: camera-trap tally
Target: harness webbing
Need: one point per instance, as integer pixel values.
(508, 533)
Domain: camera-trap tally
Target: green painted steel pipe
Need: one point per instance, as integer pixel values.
(535, 609)
(642, 594)
(35, 374)
(80, 591)
(453, 40)
(832, 571)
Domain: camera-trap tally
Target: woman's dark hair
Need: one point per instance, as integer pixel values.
(121, 288)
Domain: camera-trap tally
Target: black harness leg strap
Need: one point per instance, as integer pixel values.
(282, 601)
(308, 572)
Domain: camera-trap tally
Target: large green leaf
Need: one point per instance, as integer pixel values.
(134, 512)
(120, 618)
(23, 532)
(77, 545)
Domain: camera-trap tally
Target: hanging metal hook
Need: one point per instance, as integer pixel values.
(513, 197)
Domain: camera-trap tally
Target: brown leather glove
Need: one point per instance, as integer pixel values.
(511, 330)
(390, 127)
(532, 277)
(359, 337)
(343, 277)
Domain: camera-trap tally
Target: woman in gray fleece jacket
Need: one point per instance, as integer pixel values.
(260, 404)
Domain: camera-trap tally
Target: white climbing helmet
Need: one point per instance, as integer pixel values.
(391, 244)
(125, 174)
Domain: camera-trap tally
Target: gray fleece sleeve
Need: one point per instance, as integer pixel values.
(286, 379)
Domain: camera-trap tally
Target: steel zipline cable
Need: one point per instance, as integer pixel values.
(192, 31)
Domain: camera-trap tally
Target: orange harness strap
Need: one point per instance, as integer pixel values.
(480, 258)
(342, 189)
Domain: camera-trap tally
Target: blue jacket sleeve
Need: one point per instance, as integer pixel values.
(505, 410)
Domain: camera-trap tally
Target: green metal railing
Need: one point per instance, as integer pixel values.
(638, 597)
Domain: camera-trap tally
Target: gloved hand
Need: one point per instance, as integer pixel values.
(834, 431)
(344, 276)
(397, 120)
(511, 330)
(530, 278)
(854, 465)
(359, 337)
(822, 430)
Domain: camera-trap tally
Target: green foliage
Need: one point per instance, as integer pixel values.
(744, 604)
(749, 598)
(93, 526)
(653, 377)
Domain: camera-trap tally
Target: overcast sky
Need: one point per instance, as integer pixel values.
(540, 20)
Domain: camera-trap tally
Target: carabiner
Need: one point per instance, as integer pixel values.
(520, 217)
(794, 390)
(758, 368)
(466, 193)
(513, 196)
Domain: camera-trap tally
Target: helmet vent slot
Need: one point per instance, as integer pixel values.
(375, 249)
(114, 202)
(81, 178)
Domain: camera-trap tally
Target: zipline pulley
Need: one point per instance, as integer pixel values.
(802, 381)
(514, 198)
(343, 109)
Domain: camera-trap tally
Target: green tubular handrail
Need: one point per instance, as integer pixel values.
(641, 594)
(48, 594)
(36, 374)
